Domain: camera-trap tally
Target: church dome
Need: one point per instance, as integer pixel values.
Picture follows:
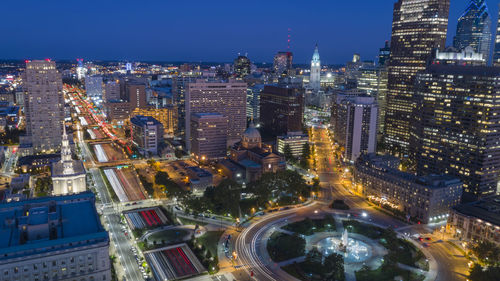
(251, 137)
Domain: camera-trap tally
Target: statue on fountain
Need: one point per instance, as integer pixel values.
(344, 242)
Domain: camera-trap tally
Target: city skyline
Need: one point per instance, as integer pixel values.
(145, 33)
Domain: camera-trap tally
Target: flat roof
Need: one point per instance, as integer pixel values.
(487, 209)
(36, 225)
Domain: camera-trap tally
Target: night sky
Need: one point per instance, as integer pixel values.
(209, 31)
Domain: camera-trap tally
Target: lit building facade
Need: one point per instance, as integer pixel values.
(283, 62)
(496, 51)
(426, 199)
(474, 29)
(43, 105)
(68, 175)
(147, 133)
(253, 102)
(167, 116)
(208, 136)
(315, 76)
(418, 27)
(456, 127)
(226, 98)
(93, 87)
(476, 221)
(112, 90)
(242, 66)
(354, 122)
(295, 142)
(54, 238)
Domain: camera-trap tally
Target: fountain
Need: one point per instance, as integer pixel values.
(353, 250)
(345, 242)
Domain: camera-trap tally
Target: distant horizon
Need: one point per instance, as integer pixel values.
(198, 31)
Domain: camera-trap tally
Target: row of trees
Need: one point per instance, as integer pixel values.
(283, 187)
(488, 268)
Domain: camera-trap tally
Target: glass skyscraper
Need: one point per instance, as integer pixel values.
(473, 29)
(418, 27)
(496, 53)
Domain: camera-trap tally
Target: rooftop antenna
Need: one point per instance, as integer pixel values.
(289, 38)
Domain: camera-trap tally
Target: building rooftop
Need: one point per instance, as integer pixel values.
(487, 209)
(385, 164)
(58, 168)
(47, 224)
(141, 120)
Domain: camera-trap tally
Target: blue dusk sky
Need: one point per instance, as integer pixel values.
(201, 30)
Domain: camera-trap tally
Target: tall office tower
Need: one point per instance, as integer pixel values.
(384, 54)
(242, 66)
(209, 136)
(43, 105)
(68, 175)
(418, 27)
(456, 126)
(112, 90)
(282, 63)
(496, 52)
(226, 98)
(315, 78)
(253, 102)
(93, 86)
(281, 110)
(368, 79)
(473, 29)
(136, 93)
(81, 71)
(54, 238)
(354, 121)
(179, 86)
(382, 69)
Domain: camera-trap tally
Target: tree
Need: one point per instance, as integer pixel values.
(287, 152)
(178, 153)
(478, 273)
(487, 252)
(306, 155)
(171, 188)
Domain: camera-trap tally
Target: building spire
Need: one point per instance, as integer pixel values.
(66, 153)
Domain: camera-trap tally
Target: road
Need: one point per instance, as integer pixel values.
(123, 245)
(249, 247)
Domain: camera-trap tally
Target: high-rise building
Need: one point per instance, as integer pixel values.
(147, 133)
(496, 52)
(253, 102)
(418, 27)
(382, 76)
(136, 93)
(209, 136)
(112, 90)
(474, 29)
(242, 66)
(43, 105)
(179, 86)
(93, 86)
(81, 71)
(456, 125)
(281, 110)
(354, 121)
(54, 238)
(283, 63)
(384, 54)
(68, 175)
(315, 77)
(226, 98)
